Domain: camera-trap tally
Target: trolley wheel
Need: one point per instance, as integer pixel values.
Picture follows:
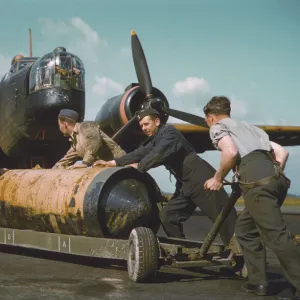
(143, 255)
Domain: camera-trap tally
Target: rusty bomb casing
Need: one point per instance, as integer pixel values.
(96, 202)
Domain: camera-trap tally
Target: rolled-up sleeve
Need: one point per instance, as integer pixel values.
(217, 132)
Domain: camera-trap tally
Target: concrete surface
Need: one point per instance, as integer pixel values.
(31, 274)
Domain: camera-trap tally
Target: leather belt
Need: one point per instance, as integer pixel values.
(264, 181)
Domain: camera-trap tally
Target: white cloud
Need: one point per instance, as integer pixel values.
(238, 108)
(4, 64)
(76, 35)
(194, 92)
(106, 87)
(87, 32)
(190, 85)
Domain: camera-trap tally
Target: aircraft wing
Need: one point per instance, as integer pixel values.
(199, 136)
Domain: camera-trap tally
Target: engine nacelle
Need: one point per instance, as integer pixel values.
(117, 111)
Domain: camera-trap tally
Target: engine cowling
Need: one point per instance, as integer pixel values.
(118, 110)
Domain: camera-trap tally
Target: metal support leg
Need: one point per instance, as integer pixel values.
(210, 237)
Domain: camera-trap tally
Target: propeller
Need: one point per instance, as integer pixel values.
(187, 117)
(141, 67)
(144, 79)
(145, 83)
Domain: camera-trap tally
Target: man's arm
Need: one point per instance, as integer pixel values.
(281, 155)
(70, 158)
(91, 141)
(134, 156)
(115, 149)
(166, 146)
(229, 153)
(150, 156)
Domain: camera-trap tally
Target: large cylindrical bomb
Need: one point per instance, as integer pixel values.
(96, 202)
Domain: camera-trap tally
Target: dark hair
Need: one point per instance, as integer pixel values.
(66, 119)
(218, 105)
(14, 59)
(154, 117)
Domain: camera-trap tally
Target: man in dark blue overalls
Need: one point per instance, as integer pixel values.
(168, 147)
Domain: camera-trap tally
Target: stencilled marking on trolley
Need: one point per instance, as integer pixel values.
(9, 237)
(64, 244)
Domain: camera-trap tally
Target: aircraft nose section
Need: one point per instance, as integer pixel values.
(125, 205)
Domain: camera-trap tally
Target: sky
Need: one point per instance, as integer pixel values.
(245, 50)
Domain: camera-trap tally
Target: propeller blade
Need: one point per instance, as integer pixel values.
(140, 65)
(187, 117)
(126, 129)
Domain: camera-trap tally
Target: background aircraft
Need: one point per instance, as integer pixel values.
(35, 89)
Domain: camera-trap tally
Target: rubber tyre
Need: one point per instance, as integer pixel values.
(143, 254)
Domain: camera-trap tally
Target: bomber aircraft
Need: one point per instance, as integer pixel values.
(34, 90)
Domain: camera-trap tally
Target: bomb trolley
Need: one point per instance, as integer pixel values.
(144, 252)
(147, 253)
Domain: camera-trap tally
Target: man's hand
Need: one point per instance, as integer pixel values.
(111, 163)
(76, 71)
(281, 154)
(134, 165)
(77, 166)
(213, 184)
